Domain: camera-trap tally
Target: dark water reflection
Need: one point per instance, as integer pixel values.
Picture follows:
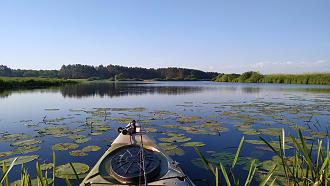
(123, 89)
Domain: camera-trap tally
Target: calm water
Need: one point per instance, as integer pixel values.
(225, 105)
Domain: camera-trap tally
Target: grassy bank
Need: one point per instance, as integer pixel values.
(14, 82)
(255, 77)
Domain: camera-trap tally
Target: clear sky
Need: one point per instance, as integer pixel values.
(270, 36)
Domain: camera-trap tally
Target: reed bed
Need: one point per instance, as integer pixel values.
(17, 82)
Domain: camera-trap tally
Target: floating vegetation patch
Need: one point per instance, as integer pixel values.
(123, 120)
(4, 154)
(78, 153)
(52, 109)
(13, 137)
(91, 148)
(66, 171)
(46, 166)
(175, 138)
(65, 146)
(26, 142)
(193, 144)
(167, 146)
(175, 152)
(82, 140)
(20, 160)
(271, 131)
(57, 131)
(26, 149)
(188, 119)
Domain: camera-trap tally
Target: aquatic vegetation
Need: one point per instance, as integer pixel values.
(175, 152)
(149, 129)
(188, 119)
(25, 149)
(91, 148)
(271, 131)
(26, 142)
(34, 182)
(52, 109)
(302, 168)
(46, 166)
(122, 120)
(82, 140)
(66, 171)
(20, 160)
(13, 137)
(78, 153)
(65, 146)
(193, 144)
(57, 131)
(175, 138)
(4, 154)
(167, 146)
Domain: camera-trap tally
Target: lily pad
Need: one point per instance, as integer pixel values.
(66, 171)
(92, 148)
(193, 144)
(176, 151)
(20, 160)
(26, 142)
(188, 119)
(46, 166)
(65, 146)
(14, 137)
(26, 149)
(77, 153)
(167, 146)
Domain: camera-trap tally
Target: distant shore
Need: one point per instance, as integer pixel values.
(22, 82)
(255, 77)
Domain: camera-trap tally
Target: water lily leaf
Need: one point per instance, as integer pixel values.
(92, 148)
(77, 153)
(26, 149)
(4, 154)
(13, 137)
(46, 166)
(57, 131)
(167, 146)
(65, 146)
(188, 119)
(82, 140)
(26, 142)
(20, 160)
(176, 151)
(193, 144)
(66, 171)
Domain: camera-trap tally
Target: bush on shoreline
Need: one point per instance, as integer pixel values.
(256, 77)
(13, 82)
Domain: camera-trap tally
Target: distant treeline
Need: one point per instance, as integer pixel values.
(18, 82)
(114, 72)
(256, 77)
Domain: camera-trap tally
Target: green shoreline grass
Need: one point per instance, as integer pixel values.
(19, 82)
(255, 77)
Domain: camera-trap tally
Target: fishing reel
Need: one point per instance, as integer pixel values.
(129, 129)
(122, 130)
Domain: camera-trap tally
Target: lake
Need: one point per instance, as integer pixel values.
(216, 115)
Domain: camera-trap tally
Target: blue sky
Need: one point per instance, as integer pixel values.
(290, 36)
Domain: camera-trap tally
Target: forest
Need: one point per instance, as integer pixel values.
(115, 72)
